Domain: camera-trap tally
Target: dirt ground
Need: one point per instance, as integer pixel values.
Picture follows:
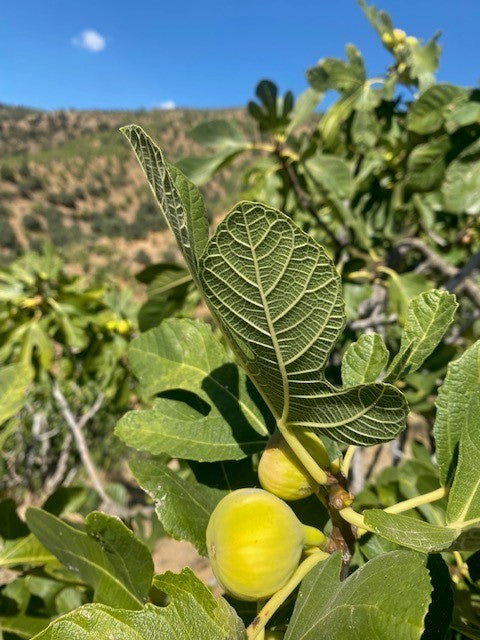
(172, 555)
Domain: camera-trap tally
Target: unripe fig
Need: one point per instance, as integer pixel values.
(387, 40)
(254, 543)
(281, 473)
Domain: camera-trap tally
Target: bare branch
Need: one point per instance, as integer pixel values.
(76, 429)
(55, 480)
(457, 280)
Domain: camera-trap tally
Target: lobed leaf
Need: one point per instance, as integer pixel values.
(278, 299)
(428, 112)
(426, 165)
(222, 418)
(179, 199)
(386, 598)
(219, 134)
(464, 494)
(410, 532)
(428, 317)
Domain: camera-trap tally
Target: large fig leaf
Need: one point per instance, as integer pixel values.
(278, 299)
(386, 598)
(229, 420)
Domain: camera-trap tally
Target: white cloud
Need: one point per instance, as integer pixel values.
(167, 105)
(90, 40)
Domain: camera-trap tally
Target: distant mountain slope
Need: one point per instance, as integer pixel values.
(70, 177)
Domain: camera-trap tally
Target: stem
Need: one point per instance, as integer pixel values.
(358, 521)
(261, 635)
(412, 503)
(347, 459)
(464, 524)
(259, 146)
(462, 565)
(258, 625)
(317, 473)
(352, 517)
(314, 445)
(303, 198)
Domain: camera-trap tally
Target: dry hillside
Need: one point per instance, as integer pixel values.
(70, 177)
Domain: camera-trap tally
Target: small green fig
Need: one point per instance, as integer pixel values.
(281, 473)
(255, 542)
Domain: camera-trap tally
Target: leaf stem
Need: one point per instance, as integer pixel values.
(358, 520)
(347, 459)
(260, 604)
(317, 473)
(255, 630)
(352, 517)
(417, 501)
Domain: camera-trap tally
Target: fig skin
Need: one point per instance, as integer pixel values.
(255, 542)
(281, 473)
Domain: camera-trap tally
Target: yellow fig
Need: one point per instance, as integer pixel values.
(387, 40)
(281, 473)
(399, 35)
(255, 542)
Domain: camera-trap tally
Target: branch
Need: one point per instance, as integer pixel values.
(76, 429)
(457, 279)
(55, 480)
(302, 197)
(372, 321)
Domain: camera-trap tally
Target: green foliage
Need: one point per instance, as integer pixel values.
(381, 605)
(56, 330)
(276, 296)
(107, 556)
(375, 178)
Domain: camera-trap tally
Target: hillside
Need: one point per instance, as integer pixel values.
(70, 177)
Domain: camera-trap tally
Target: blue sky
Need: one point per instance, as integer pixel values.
(211, 53)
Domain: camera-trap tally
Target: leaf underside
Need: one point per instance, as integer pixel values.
(278, 299)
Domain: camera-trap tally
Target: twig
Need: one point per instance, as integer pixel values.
(470, 266)
(55, 480)
(76, 429)
(373, 321)
(302, 197)
(463, 284)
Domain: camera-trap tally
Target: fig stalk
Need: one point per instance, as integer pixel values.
(256, 628)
